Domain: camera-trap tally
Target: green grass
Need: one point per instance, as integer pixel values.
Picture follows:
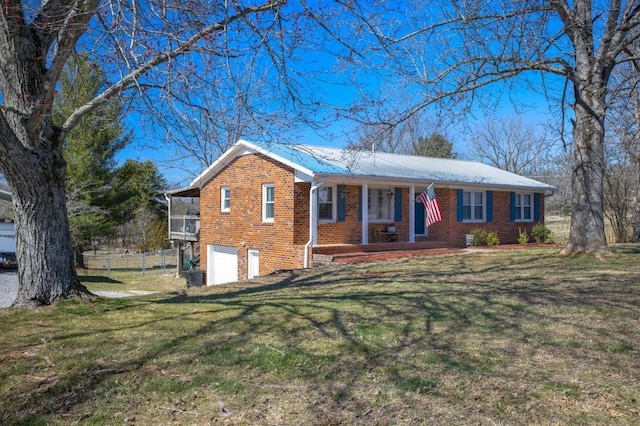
(503, 337)
(118, 280)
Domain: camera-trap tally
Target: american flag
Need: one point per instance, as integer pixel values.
(431, 207)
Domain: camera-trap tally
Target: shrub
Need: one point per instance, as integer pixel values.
(479, 236)
(540, 233)
(523, 237)
(492, 239)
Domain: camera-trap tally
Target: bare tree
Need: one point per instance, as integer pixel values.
(622, 175)
(632, 143)
(437, 53)
(418, 134)
(377, 137)
(513, 145)
(143, 47)
(620, 182)
(459, 51)
(215, 109)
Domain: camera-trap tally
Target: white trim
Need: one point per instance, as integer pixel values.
(473, 205)
(522, 206)
(243, 147)
(223, 199)
(313, 222)
(265, 218)
(390, 201)
(334, 204)
(412, 214)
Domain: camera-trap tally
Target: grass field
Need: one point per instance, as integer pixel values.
(501, 337)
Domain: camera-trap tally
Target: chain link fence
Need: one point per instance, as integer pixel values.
(155, 262)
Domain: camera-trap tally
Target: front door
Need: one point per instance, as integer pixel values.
(420, 219)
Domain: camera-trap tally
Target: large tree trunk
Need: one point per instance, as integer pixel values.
(636, 205)
(587, 220)
(45, 256)
(34, 47)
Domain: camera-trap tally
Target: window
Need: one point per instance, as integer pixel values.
(473, 206)
(524, 207)
(326, 204)
(225, 199)
(380, 205)
(268, 202)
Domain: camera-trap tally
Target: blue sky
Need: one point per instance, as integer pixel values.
(323, 77)
(144, 136)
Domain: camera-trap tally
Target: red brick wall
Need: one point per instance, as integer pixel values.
(448, 230)
(242, 227)
(453, 232)
(347, 232)
(301, 213)
(281, 243)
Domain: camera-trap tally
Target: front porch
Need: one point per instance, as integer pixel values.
(336, 252)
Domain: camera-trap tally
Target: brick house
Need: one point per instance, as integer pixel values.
(273, 207)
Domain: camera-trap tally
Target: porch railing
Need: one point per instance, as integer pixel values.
(184, 228)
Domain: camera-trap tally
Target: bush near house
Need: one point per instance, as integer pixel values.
(540, 233)
(523, 237)
(479, 237)
(492, 239)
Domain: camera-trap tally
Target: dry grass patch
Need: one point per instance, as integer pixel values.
(152, 280)
(514, 337)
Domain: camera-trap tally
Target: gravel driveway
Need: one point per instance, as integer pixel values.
(9, 289)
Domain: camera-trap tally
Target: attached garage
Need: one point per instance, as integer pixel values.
(222, 265)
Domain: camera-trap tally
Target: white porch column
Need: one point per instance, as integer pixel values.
(412, 214)
(365, 214)
(313, 216)
(313, 220)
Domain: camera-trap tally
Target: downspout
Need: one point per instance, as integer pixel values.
(312, 224)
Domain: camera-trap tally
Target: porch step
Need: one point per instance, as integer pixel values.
(335, 249)
(322, 259)
(354, 253)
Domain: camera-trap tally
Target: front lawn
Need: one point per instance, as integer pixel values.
(503, 337)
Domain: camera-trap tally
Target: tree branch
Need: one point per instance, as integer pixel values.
(183, 48)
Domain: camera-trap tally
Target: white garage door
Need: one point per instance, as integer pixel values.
(222, 265)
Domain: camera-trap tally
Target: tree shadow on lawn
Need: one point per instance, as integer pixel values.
(98, 279)
(334, 329)
(626, 248)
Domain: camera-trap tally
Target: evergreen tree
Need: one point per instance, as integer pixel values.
(100, 195)
(89, 151)
(435, 145)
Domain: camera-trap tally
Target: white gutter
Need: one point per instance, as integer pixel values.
(313, 218)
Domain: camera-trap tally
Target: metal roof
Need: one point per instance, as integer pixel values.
(316, 162)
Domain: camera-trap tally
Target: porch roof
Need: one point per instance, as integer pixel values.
(314, 162)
